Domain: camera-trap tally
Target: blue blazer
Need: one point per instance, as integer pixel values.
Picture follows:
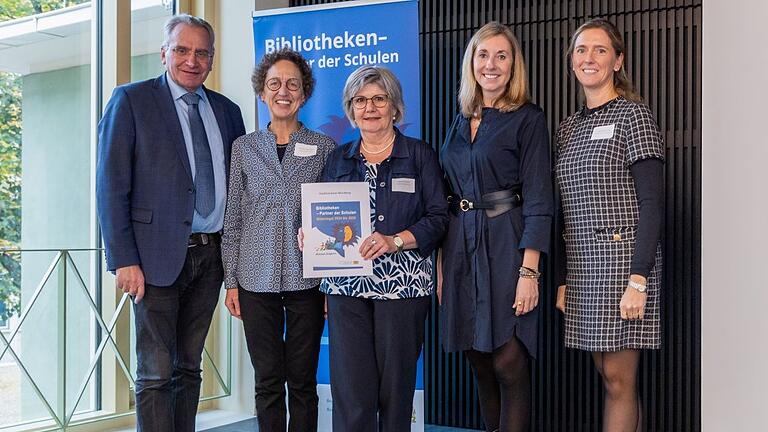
(145, 195)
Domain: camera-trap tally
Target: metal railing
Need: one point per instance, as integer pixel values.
(66, 415)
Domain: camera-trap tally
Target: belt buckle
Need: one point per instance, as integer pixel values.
(204, 239)
(465, 205)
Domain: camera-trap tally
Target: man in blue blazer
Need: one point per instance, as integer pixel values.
(163, 162)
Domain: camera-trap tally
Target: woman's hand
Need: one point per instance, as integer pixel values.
(632, 305)
(560, 300)
(527, 297)
(300, 238)
(527, 294)
(232, 302)
(377, 245)
(439, 274)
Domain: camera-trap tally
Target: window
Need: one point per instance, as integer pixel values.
(45, 201)
(57, 365)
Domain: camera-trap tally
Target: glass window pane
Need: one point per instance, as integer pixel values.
(147, 18)
(45, 203)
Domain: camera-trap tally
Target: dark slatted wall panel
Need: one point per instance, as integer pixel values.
(664, 60)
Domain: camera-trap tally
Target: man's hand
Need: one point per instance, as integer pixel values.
(130, 279)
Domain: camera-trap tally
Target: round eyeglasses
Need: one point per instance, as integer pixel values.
(292, 84)
(379, 101)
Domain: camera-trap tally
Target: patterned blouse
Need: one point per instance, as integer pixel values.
(395, 275)
(259, 248)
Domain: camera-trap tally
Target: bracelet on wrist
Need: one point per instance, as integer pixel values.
(638, 286)
(529, 273)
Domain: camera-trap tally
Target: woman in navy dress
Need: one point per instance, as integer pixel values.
(496, 160)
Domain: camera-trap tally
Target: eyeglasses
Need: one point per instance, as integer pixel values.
(201, 55)
(379, 101)
(292, 84)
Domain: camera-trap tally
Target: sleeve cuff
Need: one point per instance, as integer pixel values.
(123, 259)
(425, 244)
(536, 233)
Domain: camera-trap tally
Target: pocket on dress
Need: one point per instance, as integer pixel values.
(615, 234)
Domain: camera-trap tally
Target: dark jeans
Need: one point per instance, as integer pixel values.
(171, 325)
(283, 332)
(374, 347)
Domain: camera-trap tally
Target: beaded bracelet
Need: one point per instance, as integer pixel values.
(529, 273)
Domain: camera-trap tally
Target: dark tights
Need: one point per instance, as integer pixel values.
(504, 386)
(619, 373)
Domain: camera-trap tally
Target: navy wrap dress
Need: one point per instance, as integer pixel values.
(482, 255)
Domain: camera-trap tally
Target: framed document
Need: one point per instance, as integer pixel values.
(336, 217)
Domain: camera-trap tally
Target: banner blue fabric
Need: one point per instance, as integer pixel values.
(338, 40)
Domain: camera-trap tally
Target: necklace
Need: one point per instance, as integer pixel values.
(369, 151)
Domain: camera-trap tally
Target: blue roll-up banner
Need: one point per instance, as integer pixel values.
(336, 39)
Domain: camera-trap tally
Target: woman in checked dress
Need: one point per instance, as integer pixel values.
(609, 171)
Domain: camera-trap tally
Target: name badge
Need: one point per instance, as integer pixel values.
(407, 185)
(603, 132)
(304, 150)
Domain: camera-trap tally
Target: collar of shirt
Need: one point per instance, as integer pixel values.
(399, 148)
(178, 91)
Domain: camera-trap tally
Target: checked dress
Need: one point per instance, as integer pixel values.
(594, 153)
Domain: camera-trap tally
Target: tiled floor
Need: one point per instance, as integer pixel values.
(250, 426)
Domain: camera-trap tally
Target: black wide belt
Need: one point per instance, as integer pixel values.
(202, 239)
(494, 203)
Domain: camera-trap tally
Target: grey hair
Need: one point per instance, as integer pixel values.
(373, 75)
(189, 20)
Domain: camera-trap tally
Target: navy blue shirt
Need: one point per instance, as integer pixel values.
(482, 254)
(424, 213)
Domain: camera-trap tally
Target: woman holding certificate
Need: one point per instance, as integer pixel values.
(376, 323)
(496, 160)
(282, 313)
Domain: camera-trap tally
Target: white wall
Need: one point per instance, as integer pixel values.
(236, 52)
(734, 306)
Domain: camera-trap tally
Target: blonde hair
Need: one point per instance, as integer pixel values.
(470, 92)
(621, 82)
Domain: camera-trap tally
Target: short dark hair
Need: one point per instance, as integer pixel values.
(259, 75)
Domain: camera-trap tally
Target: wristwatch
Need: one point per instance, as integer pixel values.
(398, 242)
(639, 287)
